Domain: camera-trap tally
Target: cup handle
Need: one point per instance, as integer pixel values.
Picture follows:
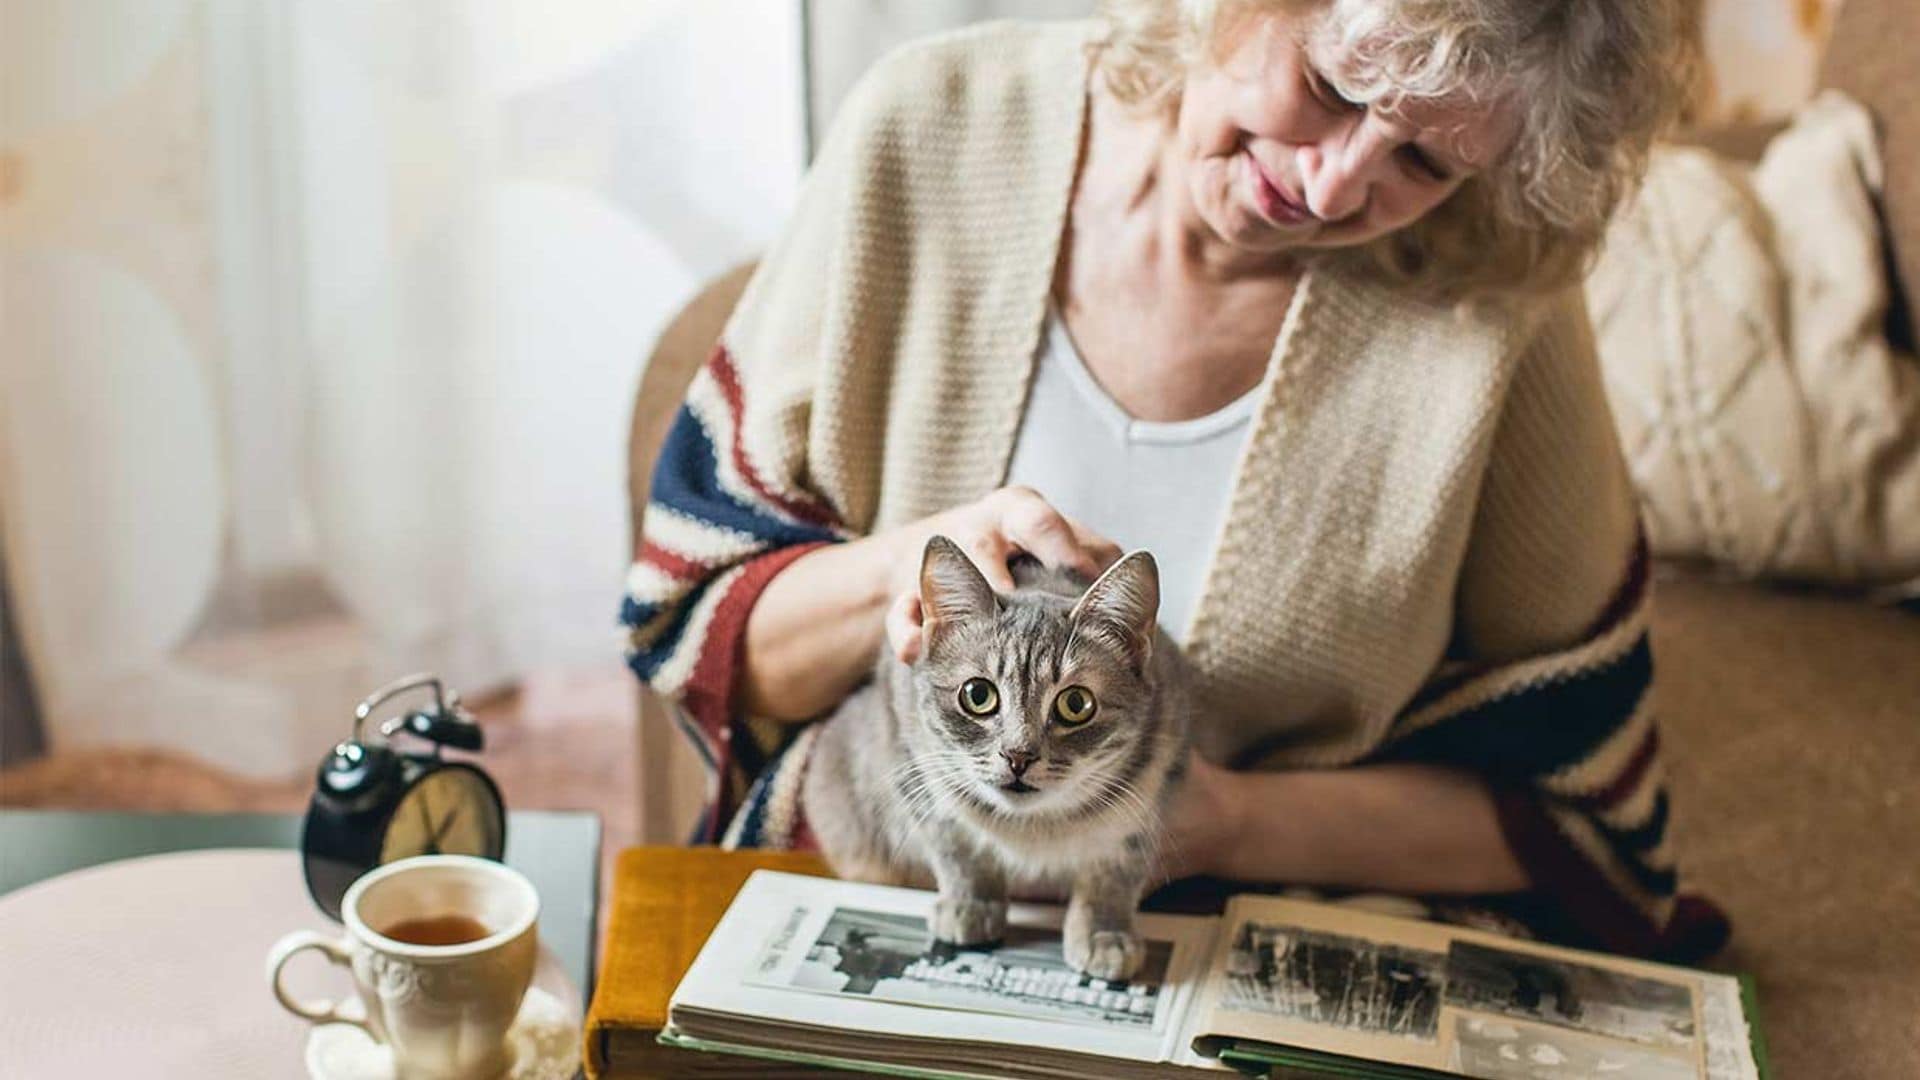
(318, 1013)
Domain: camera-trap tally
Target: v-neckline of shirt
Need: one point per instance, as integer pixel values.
(1235, 413)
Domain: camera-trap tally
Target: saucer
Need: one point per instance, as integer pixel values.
(545, 1039)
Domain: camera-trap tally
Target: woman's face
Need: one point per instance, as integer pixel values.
(1276, 159)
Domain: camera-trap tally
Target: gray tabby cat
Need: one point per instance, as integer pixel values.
(1034, 743)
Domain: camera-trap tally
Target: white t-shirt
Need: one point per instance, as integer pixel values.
(1142, 484)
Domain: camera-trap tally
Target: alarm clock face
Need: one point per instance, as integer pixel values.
(450, 811)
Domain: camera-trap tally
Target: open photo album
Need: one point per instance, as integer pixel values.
(808, 970)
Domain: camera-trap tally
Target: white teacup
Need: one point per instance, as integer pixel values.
(443, 1009)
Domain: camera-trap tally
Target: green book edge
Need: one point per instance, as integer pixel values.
(1260, 1059)
(1750, 1004)
(671, 1037)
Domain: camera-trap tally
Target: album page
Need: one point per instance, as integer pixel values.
(1337, 980)
(849, 958)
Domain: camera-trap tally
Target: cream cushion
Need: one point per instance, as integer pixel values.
(1740, 316)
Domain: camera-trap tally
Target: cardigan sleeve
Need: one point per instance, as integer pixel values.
(717, 527)
(732, 502)
(1548, 691)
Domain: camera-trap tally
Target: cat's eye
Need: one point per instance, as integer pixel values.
(979, 697)
(1074, 705)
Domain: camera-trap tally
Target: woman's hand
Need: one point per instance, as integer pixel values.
(1203, 824)
(993, 529)
(1399, 827)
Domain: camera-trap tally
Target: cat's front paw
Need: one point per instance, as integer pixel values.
(1104, 954)
(969, 921)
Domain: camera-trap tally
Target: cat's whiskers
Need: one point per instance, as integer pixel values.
(1147, 816)
(923, 775)
(922, 780)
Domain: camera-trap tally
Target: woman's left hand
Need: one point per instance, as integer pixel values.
(1203, 823)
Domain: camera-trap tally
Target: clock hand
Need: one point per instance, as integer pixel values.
(445, 825)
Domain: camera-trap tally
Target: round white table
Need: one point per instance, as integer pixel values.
(154, 967)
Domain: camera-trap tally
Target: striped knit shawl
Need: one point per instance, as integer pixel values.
(1430, 551)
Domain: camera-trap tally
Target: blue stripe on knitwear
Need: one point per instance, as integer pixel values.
(1542, 729)
(1646, 837)
(687, 480)
(634, 614)
(1630, 846)
(645, 661)
(753, 829)
(1657, 882)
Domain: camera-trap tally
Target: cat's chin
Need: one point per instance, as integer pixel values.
(1019, 799)
(1004, 799)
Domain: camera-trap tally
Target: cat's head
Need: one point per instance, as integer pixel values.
(1037, 703)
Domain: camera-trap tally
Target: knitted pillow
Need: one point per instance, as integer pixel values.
(1739, 314)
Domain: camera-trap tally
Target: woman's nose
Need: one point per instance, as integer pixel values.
(1339, 172)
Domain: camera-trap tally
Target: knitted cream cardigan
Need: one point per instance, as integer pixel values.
(1431, 549)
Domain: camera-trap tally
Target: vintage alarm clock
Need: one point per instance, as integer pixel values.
(374, 802)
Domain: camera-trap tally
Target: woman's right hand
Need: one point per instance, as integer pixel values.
(991, 530)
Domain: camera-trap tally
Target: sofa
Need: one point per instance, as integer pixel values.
(1792, 716)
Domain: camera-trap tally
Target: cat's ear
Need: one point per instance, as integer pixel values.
(952, 589)
(1120, 607)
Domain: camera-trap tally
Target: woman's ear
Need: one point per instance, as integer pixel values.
(1119, 609)
(952, 589)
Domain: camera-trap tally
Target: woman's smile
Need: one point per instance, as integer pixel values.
(1271, 197)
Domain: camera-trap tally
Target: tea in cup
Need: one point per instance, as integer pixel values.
(442, 949)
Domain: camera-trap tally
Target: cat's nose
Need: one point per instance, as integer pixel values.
(1019, 760)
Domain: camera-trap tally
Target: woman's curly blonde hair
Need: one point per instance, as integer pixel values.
(1594, 80)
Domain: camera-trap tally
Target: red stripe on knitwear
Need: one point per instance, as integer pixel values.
(1629, 779)
(710, 695)
(672, 562)
(1558, 869)
(709, 692)
(721, 365)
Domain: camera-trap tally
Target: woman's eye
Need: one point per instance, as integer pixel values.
(979, 697)
(1328, 96)
(1423, 164)
(1074, 705)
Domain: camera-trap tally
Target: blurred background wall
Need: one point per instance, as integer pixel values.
(319, 321)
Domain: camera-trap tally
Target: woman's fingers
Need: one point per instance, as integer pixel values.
(1103, 551)
(989, 551)
(904, 627)
(1010, 521)
(1037, 528)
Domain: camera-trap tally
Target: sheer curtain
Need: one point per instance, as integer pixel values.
(319, 326)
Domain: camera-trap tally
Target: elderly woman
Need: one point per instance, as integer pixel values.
(1285, 292)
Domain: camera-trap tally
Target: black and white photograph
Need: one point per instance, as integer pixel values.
(890, 956)
(1581, 996)
(1333, 979)
(1497, 1049)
